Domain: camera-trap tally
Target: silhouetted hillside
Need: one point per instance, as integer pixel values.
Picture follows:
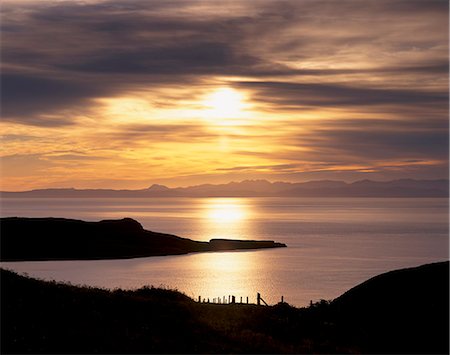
(263, 188)
(59, 238)
(401, 312)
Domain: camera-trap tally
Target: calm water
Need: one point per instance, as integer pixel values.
(333, 244)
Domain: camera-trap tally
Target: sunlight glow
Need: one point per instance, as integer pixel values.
(225, 105)
(125, 109)
(226, 212)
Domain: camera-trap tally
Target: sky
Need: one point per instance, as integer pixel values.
(127, 93)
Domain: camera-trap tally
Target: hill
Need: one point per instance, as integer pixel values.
(262, 188)
(64, 239)
(404, 311)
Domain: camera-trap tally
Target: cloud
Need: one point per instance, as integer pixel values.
(378, 139)
(170, 25)
(6, 138)
(186, 58)
(356, 83)
(25, 99)
(74, 157)
(356, 141)
(277, 167)
(105, 48)
(381, 144)
(297, 95)
(24, 165)
(149, 134)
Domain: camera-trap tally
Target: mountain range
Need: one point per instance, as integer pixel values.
(262, 188)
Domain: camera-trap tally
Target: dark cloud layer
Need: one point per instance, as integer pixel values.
(379, 144)
(179, 58)
(368, 58)
(26, 97)
(293, 95)
(169, 41)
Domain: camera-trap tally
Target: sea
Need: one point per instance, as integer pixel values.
(333, 244)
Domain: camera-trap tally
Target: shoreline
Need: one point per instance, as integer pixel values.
(47, 239)
(238, 250)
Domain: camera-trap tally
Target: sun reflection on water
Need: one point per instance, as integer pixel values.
(225, 218)
(226, 211)
(226, 273)
(226, 262)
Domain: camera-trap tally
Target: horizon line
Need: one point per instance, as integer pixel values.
(226, 183)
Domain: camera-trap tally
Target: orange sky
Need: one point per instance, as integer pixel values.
(124, 94)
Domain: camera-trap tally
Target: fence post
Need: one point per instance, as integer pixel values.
(258, 299)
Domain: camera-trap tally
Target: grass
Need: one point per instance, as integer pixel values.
(50, 317)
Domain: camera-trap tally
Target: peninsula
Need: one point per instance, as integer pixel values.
(68, 239)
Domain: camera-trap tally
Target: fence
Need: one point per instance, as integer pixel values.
(231, 299)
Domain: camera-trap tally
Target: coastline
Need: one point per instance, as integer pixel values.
(46, 239)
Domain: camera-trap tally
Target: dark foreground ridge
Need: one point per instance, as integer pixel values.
(404, 311)
(69, 239)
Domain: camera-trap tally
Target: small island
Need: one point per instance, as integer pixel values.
(27, 239)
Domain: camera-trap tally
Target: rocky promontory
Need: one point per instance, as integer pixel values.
(69, 239)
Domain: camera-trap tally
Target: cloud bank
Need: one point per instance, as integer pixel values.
(360, 87)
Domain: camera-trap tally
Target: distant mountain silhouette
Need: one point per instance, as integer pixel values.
(264, 188)
(65, 239)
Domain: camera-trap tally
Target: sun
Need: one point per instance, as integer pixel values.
(225, 105)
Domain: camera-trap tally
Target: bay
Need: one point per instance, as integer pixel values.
(333, 243)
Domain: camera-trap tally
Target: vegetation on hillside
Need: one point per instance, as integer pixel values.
(50, 317)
